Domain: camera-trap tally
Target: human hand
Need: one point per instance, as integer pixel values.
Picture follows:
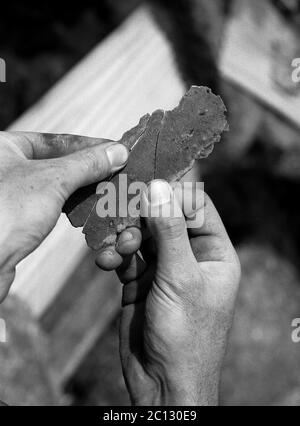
(178, 302)
(38, 173)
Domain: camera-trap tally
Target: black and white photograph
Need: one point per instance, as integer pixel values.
(149, 206)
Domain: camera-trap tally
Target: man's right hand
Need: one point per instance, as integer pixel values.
(179, 299)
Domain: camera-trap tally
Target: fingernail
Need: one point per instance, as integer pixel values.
(159, 201)
(124, 237)
(117, 155)
(159, 193)
(107, 253)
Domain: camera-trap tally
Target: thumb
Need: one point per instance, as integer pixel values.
(88, 166)
(166, 222)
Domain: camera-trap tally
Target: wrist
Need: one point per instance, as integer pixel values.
(182, 392)
(187, 393)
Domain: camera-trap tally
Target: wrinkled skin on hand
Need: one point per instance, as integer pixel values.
(38, 173)
(179, 295)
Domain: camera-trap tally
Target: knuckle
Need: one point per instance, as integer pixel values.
(59, 144)
(171, 227)
(92, 162)
(89, 160)
(63, 142)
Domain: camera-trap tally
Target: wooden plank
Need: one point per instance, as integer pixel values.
(82, 312)
(129, 74)
(251, 58)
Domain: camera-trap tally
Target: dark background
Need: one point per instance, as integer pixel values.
(41, 41)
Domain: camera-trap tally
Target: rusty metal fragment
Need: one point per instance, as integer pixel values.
(165, 146)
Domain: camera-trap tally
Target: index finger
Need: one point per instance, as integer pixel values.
(40, 146)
